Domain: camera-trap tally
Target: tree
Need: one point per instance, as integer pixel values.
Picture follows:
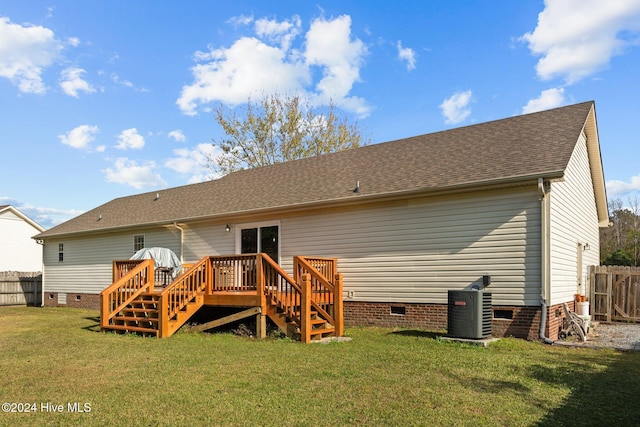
(620, 243)
(279, 128)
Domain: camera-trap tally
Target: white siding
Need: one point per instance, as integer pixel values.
(573, 220)
(18, 251)
(415, 251)
(408, 251)
(87, 263)
(207, 239)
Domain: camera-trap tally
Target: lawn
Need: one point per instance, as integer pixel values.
(51, 357)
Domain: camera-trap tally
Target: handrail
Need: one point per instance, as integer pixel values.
(327, 267)
(121, 267)
(126, 289)
(280, 286)
(181, 292)
(326, 295)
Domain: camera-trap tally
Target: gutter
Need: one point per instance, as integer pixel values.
(545, 289)
(360, 198)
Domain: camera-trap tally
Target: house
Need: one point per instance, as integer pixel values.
(519, 199)
(19, 252)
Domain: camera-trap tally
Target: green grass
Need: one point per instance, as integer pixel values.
(382, 377)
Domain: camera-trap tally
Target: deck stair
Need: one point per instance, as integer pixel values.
(306, 307)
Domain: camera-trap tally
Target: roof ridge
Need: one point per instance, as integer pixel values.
(505, 149)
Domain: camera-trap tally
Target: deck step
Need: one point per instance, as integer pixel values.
(322, 331)
(140, 310)
(136, 319)
(128, 328)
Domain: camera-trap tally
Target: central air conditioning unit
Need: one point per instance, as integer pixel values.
(469, 314)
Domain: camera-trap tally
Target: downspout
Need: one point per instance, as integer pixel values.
(545, 290)
(175, 224)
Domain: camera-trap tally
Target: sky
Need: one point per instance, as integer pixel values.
(108, 98)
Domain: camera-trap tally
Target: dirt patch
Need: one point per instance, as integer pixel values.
(619, 336)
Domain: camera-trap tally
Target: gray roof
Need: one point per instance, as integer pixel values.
(513, 149)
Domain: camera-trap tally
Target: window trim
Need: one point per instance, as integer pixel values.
(238, 234)
(136, 243)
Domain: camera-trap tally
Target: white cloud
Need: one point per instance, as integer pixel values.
(192, 162)
(407, 54)
(46, 217)
(550, 98)
(577, 38)
(616, 188)
(80, 137)
(177, 135)
(126, 83)
(329, 46)
(72, 82)
(269, 63)
(129, 172)
(248, 67)
(241, 20)
(130, 138)
(455, 109)
(25, 51)
(282, 33)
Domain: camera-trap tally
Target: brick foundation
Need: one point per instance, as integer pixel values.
(90, 301)
(508, 321)
(555, 319)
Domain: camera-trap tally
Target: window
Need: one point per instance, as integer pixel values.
(263, 237)
(60, 252)
(138, 242)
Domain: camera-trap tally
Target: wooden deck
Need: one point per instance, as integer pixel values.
(307, 306)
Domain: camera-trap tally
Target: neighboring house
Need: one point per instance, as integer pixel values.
(18, 251)
(519, 199)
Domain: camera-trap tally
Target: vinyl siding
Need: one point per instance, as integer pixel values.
(18, 251)
(416, 251)
(88, 260)
(207, 239)
(410, 251)
(573, 220)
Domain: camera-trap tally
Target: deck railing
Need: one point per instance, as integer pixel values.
(135, 278)
(281, 289)
(325, 287)
(315, 288)
(182, 291)
(122, 267)
(234, 272)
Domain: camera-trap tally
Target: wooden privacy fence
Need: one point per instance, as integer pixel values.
(20, 288)
(615, 293)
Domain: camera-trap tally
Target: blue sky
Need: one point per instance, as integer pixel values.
(108, 98)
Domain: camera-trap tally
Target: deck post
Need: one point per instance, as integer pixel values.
(104, 311)
(305, 309)
(163, 317)
(261, 318)
(209, 277)
(338, 314)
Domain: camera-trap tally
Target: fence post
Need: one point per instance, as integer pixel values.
(609, 289)
(338, 314)
(305, 309)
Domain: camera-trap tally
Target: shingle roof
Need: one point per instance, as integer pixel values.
(526, 146)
